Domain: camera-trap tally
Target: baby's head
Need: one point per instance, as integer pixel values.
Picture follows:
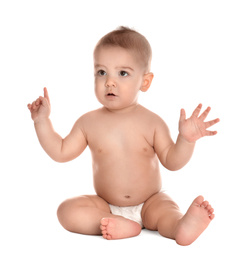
(130, 40)
(122, 61)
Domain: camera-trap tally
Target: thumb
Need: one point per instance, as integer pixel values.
(182, 114)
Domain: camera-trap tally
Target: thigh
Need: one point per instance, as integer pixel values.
(92, 201)
(155, 207)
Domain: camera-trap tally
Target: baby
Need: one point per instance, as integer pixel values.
(127, 141)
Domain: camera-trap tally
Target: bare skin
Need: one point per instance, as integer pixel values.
(184, 229)
(127, 141)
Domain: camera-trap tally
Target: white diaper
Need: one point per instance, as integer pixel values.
(133, 212)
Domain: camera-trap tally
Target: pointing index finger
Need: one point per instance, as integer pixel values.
(46, 95)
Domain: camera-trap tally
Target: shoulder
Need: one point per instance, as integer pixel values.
(91, 115)
(87, 120)
(154, 118)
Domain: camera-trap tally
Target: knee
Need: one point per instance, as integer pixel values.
(63, 214)
(68, 210)
(157, 214)
(62, 208)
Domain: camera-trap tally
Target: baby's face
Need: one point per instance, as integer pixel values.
(118, 77)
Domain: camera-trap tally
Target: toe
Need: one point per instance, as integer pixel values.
(211, 211)
(106, 236)
(102, 227)
(205, 204)
(209, 207)
(212, 216)
(104, 221)
(199, 200)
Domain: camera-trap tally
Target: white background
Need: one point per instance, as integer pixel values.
(201, 53)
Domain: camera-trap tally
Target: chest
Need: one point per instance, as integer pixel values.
(118, 135)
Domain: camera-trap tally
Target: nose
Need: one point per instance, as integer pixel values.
(110, 82)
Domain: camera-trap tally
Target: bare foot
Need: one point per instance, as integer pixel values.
(194, 222)
(117, 228)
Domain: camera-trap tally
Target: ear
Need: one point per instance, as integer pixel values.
(147, 80)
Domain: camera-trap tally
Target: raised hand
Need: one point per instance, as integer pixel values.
(41, 107)
(193, 128)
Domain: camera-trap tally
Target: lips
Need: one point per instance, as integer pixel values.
(111, 96)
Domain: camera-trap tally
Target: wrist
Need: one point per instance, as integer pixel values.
(39, 120)
(183, 139)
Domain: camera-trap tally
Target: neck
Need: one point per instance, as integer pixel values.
(125, 110)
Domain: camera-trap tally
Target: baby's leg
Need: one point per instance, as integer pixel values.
(90, 215)
(83, 214)
(161, 213)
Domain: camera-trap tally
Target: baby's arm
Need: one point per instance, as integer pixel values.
(55, 146)
(176, 155)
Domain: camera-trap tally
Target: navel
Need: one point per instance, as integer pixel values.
(127, 196)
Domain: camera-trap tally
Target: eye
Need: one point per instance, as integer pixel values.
(101, 73)
(123, 73)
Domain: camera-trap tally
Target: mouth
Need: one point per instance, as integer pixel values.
(111, 95)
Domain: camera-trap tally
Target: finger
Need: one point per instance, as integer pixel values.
(211, 123)
(37, 102)
(34, 105)
(46, 95)
(43, 100)
(205, 114)
(182, 114)
(29, 106)
(211, 133)
(196, 112)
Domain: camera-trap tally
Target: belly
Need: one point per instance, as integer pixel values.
(127, 182)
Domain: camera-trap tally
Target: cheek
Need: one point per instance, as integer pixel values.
(132, 92)
(98, 84)
(135, 86)
(97, 88)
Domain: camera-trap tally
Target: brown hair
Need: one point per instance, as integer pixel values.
(131, 40)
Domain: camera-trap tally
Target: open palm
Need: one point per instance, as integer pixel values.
(194, 127)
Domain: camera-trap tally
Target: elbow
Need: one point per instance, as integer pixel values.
(174, 164)
(173, 168)
(58, 158)
(62, 158)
